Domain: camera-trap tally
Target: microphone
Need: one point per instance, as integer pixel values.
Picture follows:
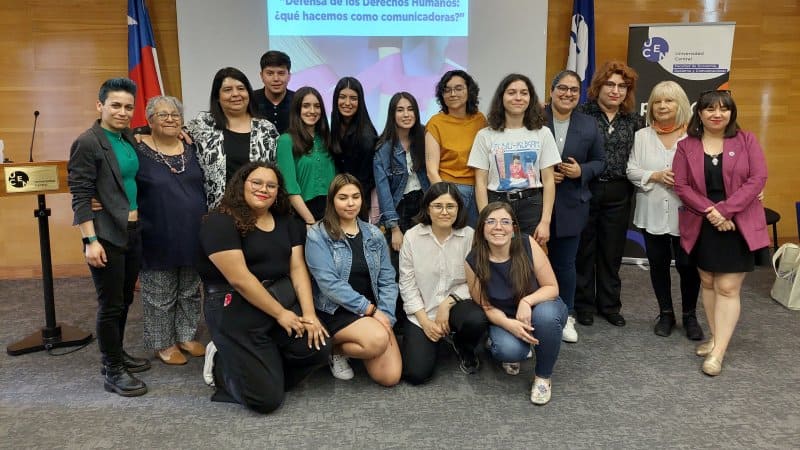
(33, 135)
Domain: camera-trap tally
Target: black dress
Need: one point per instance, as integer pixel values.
(720, 251)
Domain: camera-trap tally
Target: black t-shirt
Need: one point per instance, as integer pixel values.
(359, 279)
(237, 151)
(267, 253)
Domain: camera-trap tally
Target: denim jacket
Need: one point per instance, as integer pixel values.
(329, 262)
(391, 176)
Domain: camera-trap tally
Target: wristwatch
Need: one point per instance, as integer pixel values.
(89, 239)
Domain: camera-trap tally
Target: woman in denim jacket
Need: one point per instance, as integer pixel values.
(399, 167)
(354, 285)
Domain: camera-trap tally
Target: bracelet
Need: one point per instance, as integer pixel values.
(456, 298)
(89, 239)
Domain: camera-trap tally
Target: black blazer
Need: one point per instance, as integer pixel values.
(94, 172)
(584, 143)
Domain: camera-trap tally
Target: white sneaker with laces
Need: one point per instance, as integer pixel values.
(511, 368)
(540, 391)
(340, 368)
(569, 334)
(208, 365)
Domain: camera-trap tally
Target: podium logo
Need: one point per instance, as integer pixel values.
(18, 179)
(655, 49)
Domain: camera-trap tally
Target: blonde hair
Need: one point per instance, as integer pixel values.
(670, 90)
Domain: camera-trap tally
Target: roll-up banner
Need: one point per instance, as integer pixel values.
(697, 56)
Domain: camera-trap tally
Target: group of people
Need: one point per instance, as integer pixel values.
(498, 231)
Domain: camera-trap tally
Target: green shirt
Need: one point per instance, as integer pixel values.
(128, 165)
(311, 174)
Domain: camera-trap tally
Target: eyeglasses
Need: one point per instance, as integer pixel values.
(165, 116)
(504, 222)
(450, 207)
(721, 92)
(457, 89)
(563, 89)
(611, 85)
(259, 184)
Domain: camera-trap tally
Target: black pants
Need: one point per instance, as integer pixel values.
(256, 361)
(114, 284)
(660, 251)
(407, 209)
(527, 210)
(602, 246)
(469, 324)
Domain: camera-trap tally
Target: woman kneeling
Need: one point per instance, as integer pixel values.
(354, 287)
(251, 242)
(510, 275)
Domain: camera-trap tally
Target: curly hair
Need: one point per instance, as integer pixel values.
(234, 204)
(605, 72)
(472, 90)
(534, 113)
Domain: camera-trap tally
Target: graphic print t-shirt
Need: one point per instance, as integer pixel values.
(514, 158)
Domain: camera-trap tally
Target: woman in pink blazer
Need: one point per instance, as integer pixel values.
(719, 173)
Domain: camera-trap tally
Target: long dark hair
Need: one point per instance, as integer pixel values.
(234, 204)
(534, 114)
(416, 135)
(302, 140)
(435, 191)
(521, 270)
(358, 125)
(220, 120)
(472, 91)
(712, 98)
(331, 218)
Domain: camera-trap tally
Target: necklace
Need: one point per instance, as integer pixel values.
(351, 236)
(164, 160)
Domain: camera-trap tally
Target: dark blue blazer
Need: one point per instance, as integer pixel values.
(584, 143)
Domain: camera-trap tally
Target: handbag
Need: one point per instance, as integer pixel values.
(283, 291)
(786, 289)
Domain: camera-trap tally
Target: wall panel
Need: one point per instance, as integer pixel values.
(55, 54)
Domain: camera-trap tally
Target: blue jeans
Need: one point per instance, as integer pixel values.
(548, 320)
(562, 252)
(468, 195)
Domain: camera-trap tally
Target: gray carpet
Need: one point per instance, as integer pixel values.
(615, 388)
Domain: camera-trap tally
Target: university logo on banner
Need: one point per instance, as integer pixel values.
(142, 59)
(581, 44)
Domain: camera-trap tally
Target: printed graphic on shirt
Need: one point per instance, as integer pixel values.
(516, 164)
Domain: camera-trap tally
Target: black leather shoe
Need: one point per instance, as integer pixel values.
(615, 319)
(692, 327)
(133, 364)
(584, 317)
(666, 321)
(120, 381)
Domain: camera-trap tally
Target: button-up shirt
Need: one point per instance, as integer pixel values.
(619, 134)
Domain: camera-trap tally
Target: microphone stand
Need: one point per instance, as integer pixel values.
(52, 335)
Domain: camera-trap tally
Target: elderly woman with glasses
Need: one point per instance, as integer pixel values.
(171, 205)
(719, 173)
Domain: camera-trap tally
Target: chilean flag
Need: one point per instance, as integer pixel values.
(142, 59)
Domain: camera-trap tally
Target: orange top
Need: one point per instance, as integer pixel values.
(455, 136)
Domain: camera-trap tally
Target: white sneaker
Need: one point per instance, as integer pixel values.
(208, 365)
(340, 368)
(540, 391)
(569, 334)
(511, 368)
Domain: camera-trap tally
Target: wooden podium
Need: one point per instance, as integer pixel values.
(40, 178)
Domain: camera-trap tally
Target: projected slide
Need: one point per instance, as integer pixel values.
(388, 45)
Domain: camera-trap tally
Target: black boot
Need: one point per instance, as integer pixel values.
(666, 321)
(119, 380)
(692, 327)
(132, 364)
